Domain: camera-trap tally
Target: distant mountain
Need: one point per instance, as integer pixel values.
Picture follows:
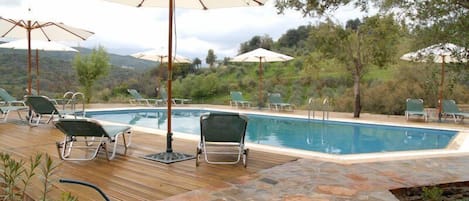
(115, 59)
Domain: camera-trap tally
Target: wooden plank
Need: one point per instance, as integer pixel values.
(129, 177)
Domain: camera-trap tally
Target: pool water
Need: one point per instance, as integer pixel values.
(333, 137)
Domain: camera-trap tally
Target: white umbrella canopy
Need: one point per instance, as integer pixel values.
(439, 53)
(160, 56)
(169, 156)
(193, 4)
(261, 55)
(37, 30)
(37, 45)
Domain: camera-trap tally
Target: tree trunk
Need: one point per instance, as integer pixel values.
(356, 92)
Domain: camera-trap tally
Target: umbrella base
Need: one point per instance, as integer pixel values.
(169, 157)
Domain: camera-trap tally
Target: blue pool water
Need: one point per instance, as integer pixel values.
(332, 137)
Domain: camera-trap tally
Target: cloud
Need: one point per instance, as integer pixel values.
(124, 29)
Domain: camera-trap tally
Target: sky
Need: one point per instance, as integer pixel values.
(125, 30)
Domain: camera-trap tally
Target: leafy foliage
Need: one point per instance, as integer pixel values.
(89, 69)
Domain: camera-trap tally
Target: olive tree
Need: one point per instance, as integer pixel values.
(90, 68)
(358, 46)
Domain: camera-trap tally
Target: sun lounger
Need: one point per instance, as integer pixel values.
(449, 108)
(415, 107)
(237, 99)
(41, 106)
(84, 138)
(275, 101)
(222, 134)
(138, 99)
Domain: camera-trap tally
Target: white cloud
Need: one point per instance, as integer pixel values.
(124, 29)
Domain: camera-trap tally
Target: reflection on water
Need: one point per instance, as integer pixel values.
(314, 135)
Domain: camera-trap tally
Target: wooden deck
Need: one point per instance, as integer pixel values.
(128, 177)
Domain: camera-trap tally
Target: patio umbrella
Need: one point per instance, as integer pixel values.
(261, 55)
(161, 56)
(169, 156)
(37, 45)
(37, 30)
(439, 53)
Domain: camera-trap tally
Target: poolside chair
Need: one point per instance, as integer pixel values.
(9, 100)
(84, 138)
(449, 108)
(415, 107)
(237, 99)
(138, 99)
(164, 96)
(10, 104)
(275, 101)
(222, 134)
(41, 106)
(5, 111)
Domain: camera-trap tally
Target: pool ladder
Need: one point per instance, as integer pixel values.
(70, 101)
(314, 106)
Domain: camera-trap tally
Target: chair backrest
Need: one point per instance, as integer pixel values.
(135, 94)
(275, 98)
(223, 127)
(236, 96)
(414, 105)
(449, 106)
(6, 96)
(41, 105)
(80, 127)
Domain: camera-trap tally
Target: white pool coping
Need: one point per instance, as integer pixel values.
(459, 145)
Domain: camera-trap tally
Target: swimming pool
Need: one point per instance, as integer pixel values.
(332, 137)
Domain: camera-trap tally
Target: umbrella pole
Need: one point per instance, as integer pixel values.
(261, 104)
(169, 135)
(440, 95)
(169, 156)
(28, 30)
(37, 71)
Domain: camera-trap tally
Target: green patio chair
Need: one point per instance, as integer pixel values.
(138, 99)
(41, 106)
(449, 108)
(222, 134)
(237, 99)
(84, 138)
(415, 107)
(164, 96)
(275, 101)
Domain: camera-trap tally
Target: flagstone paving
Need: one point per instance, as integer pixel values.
(312, 180)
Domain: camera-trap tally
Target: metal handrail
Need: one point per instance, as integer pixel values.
(325, 107)
(75, 97)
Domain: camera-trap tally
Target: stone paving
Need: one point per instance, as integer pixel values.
(314, 180)
(311, 180)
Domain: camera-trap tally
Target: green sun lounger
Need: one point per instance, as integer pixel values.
(449, 108)
(222, 134)
(138, 99)
(84, 138)
(237, 99)
(275, 101)
(415, 107)
(41, 106)
(10, 104)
